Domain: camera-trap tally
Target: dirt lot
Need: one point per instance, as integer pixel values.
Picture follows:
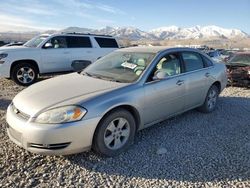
(193, 149)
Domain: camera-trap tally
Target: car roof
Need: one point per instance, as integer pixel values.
(77, 34)
(155, 49)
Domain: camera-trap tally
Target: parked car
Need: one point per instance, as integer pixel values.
(14, 44)
(226, 55)
(52, 54)
(106, 104)
(238, 69)
(215, 55)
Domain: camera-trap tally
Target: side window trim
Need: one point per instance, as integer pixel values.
(204, 62)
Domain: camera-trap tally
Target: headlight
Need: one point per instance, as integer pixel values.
(61, 115)
(248, 72)
(3, 55)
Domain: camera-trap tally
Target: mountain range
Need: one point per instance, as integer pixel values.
(135, 34)
(163, 33)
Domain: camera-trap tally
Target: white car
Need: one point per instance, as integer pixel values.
(52, 54)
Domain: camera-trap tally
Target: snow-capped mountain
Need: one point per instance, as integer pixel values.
(174, 32)
(119, 32)
(171, 32)
(131, 33)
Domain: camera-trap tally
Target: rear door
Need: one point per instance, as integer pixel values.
(196, 79)
(80, 48)
(106, 45)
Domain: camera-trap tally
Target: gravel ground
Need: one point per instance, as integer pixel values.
(191, 150)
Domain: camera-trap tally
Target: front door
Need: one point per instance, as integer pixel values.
(164, 97)
(57, 57)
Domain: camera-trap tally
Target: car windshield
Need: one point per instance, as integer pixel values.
(34, 42)
(118, 66)
(240, 59)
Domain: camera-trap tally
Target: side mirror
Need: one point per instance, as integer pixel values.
(79, 65)
(48, 45)
(160, 75)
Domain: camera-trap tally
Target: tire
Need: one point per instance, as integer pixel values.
(211, 100)
(24, 74)
(115, 133)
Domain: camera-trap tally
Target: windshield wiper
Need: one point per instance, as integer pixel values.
(108, 78)
(102, 77)
(91, 75)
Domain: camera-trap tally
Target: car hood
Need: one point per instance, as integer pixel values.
(13, 48)
(59, 91)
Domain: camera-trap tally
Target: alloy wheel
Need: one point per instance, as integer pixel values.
(212, 99)
(117, 133)
(25, 75)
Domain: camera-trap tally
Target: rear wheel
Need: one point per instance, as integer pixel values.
(115, 133)
(211, 100)
(24, 74)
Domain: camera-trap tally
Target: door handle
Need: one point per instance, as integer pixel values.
(65, 52)
(207, 74)
(180, 82)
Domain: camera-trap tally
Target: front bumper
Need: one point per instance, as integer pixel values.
(59, 139)
(5, 69)
(241, 79)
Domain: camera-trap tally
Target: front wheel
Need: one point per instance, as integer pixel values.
(24, 74)
(211, 100)
(115, 133)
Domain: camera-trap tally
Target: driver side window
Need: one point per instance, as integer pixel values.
(58, 42)
(168, 65)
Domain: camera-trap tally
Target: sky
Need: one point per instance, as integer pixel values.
(30, 15)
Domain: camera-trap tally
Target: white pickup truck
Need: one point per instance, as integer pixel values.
(47, 54)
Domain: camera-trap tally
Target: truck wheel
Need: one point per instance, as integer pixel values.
(24, 74)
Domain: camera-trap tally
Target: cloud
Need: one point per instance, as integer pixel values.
(106, 21)
(13, 23)
(109, 9)
(83, 5)
(26, 7)
(44, 15)
(36, 11)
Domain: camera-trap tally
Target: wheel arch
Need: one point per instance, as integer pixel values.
(131, 109)
(218, 85)
(30, 61)
(134, 112)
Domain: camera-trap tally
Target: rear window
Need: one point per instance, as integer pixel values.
(78, 42)
(192, 61)
(106, 42)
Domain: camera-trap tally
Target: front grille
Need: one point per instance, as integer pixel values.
(19, 113)
(49, 146)
(15, 134)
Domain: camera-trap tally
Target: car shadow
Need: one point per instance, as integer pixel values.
(4, 103)
(198, 148)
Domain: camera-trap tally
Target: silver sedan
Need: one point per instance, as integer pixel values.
(106, 104)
